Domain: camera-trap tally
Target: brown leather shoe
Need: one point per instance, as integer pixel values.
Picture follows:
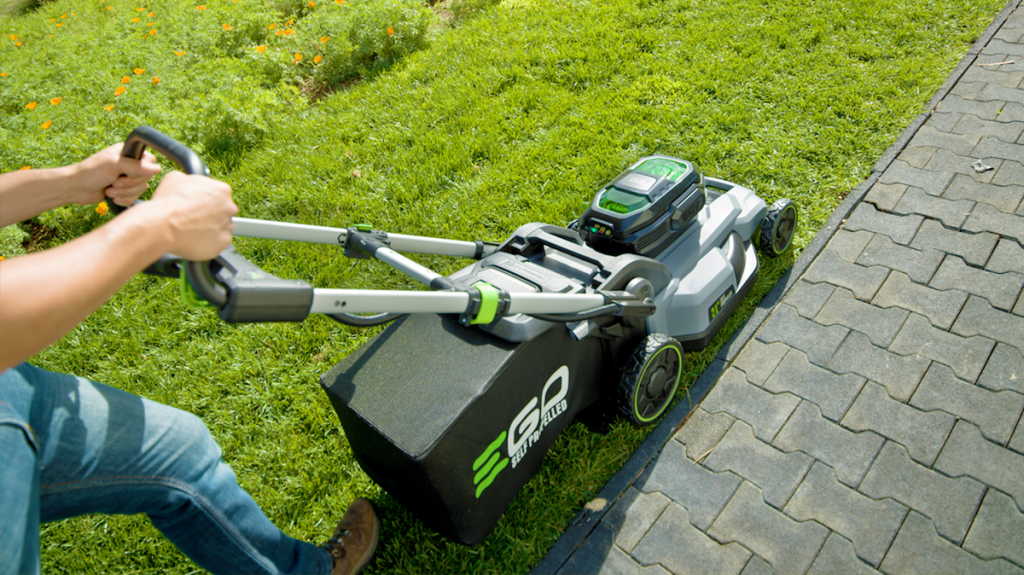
(355, 538)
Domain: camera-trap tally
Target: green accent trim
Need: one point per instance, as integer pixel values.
(189, 295)
(641, 378)
(488, 303)
(483, 456)
(490, 478)
(364, 227)
(486, 468)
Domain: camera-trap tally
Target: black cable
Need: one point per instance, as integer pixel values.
(364, 320)
(604, 310)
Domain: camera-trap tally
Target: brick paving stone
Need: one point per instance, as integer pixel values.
(837, 557)
(702, 492)
(1011, 112)
(1005, 198)
(869, 524)
(1019, 308)
(984, 110)
(878, 323)
(1005, 131)
(996, 92)
(757, 566)
(974, 248)
(919, 156)
(1017, 441)
(963, 165)
(900, 229)
(765, 412)
(817, 341)
(997, 148)
(979, 318)
(995, 413)
(1004, 370)
(1009, 173)
(789, 546)
(950, 213)
(1007, 257)
(633, 515)
(986, 74)
(931, 181)
(831, 392)
(848, 453)
(759, 360)
(944, 121)
(998, 531)
(849, 244)
(967, 452)
(808, 298)
(1000, 289)
(922, 433)
(597, 554)
(919, 265)
(885, 196)
(968, 90)
(862, 281)
(918, 549)
(966, 355)
(987, 218)
(941, 307)
(950, 503)
(899, 374)
(775, 472)
(703, 431)
(960, 144)
(681, 548)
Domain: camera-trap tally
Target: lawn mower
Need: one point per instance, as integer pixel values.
(452, 407)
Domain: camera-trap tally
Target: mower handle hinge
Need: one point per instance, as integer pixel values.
(487, 304)
(364, 244)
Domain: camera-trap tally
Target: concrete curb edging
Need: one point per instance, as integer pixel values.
(585, 521)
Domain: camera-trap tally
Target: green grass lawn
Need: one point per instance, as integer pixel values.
(517, 112)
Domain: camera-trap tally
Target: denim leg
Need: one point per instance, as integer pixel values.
(19, 500)
(102, 450)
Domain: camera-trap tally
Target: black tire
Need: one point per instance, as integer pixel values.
(778, 228)
(650, 379)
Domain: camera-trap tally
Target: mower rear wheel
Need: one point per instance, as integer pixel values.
(778, 228)
(650, 379)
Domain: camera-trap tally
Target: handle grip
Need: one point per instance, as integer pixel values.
(198, 273)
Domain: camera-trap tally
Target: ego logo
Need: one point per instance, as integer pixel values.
(524, 432)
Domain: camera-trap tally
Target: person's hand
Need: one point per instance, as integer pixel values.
(198, 211)
(106, 174)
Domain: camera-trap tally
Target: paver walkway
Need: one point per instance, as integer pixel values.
(873, 421)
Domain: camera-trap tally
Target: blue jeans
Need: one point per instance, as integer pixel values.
(70, 446)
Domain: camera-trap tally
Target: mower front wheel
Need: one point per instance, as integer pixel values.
(778, 228)
(650, 379)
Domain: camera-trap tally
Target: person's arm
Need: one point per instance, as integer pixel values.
(25, 194)
(44, 295)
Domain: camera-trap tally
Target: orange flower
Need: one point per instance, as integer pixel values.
(102, 208)
(149, 24)
(317, 59)
(339, 2)
(272, 26)
(140, 9)
(324, 39)
(152, 32)
(46, 125)
(26, 167)
(391, 30)
(135, 20)
(18, 44)
(139, 71)
(59, 24)
(56, 101)
(298, 57)
(289, 32)
(289, 23)
(311, 3)
(31, 105)
(151, 14)
(179, 54)
(120, 90)
(261, 49)
(110, 7)
(108, 108)
(1, 258)
(125, 80)
(53, 19)
(200, 7)
(13, 37)
(156, 80)
(3, 74)
(227, 26)
(63, 15)
(280, 32)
